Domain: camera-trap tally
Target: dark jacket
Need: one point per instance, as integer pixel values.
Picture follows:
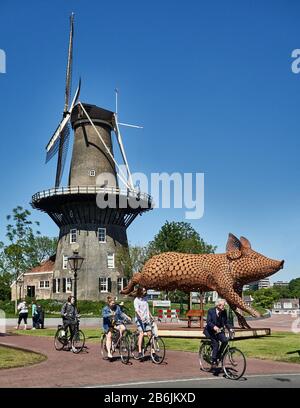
(212, 320)
(69, 311)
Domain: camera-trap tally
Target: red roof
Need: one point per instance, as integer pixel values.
(46, 266)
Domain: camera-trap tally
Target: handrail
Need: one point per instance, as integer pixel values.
(89, 190)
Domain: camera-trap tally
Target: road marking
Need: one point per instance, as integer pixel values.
(187, 379)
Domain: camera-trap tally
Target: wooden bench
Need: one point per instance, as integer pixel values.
(195, 314)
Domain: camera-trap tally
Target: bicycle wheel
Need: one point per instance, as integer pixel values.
(60, 339)
(78, 341)
(134, 349)
(158, 350)
(124, 349)
(234, 363)
(205, 353)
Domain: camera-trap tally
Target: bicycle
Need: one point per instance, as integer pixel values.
(156, 344)
(232, 359)
(117, 342)
(62, 338)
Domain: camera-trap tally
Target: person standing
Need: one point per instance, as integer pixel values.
(69, 316)
(23, 314)
(143, 317)
(35, 315)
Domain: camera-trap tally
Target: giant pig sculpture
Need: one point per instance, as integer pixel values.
(225, 273)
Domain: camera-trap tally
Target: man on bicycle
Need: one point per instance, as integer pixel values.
(113, 317)
(214, 329)
(143, 317)
(69, 316)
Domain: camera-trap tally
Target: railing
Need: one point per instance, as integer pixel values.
(90, 190)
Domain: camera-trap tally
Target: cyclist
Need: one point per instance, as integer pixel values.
(113, 317)
(143, 317)
(69, 316)
(214, 329)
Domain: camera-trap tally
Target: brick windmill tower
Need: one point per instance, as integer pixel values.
(92, 212)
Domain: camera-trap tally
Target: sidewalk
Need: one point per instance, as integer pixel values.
(65, 369)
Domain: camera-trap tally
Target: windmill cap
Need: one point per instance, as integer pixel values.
(94, 112)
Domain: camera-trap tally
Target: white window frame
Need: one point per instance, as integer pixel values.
(104, 284)
(43, 284)
(65, 262)
(111, 257)
(72, 235)
(68, 285)
(103, 230)
(56, 285)
(120, 284)
(92, 173)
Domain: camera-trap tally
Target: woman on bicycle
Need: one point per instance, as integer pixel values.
(113, 317)
(143, 317)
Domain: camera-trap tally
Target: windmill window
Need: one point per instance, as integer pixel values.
(122, 282)
(73, 236)
(65, 262)
(103, 285)
(110, 260)
(92, 173)
(102, 234)
(69, 285)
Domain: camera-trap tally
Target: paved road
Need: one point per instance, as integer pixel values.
(88, 369)
(277, 380)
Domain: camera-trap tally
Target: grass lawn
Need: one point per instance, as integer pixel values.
(10, 357)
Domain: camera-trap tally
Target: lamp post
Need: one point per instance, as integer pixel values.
(75, 262)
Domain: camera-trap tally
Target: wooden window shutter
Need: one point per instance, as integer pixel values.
(109, 284)
(64, 285)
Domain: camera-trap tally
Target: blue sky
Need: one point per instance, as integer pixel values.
(210, 81)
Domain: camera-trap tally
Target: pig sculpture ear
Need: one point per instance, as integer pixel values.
(233, 247)
(233, 243)
(245, 242)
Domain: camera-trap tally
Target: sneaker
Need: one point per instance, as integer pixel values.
(140, 356)
(74, 349)
(33, 328)
(109, 355)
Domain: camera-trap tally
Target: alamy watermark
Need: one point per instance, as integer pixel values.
(176, 190)
(2, 62)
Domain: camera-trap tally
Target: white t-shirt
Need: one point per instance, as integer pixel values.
(141, 308)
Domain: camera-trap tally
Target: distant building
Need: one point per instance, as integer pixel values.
(264, 283)
(248, 299)
(251, 286)
(281, 283)
(286, 306)
(38, 282)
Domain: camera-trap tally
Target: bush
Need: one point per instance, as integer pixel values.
(7, 306)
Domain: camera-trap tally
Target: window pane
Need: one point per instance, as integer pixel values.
(42, 284)
(103, 284)
(102, 234)
(73, 236)
(110, 260)
(65, 262)
(47, 284)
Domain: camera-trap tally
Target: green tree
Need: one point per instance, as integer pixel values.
(5, 282)
(43, 248)
(19, 254)
(179, 237)
(265, 297)
(294, 287)
(131, 259)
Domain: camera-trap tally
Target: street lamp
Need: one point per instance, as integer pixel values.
(75, 262)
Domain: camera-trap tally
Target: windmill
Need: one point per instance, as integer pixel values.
(98, 231)
(59, 141)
